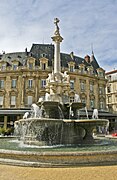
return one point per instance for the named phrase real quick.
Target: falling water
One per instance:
(86, 113)
(60, 113)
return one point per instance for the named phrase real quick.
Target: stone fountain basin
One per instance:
(95, 122)
(44, 131)
(88, 125)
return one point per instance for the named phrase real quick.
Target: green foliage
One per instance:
(7, 131)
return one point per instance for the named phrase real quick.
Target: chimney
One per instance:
(87, 58)
(72, 55)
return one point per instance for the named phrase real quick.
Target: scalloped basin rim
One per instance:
(65, 120)
(86, 120)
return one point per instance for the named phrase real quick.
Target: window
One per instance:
(13, 100)
(1, 100)
(13, 83)
(1, 84)
(82, 70)
(15, 66)
(101, 105)
(82, 86)
(115, 98)
(72, 99)
(71, 69)
(91, 72)
(43, 55)
(83, 100)
(109, 88)
(43, 66)
(30, 83)
(3, 67)
(91, 87)
(29, 100)
(30, 65)
(92, 103)
(101, 74)
(43, 83)
(109, 99)
(101, 90)
(71, 84)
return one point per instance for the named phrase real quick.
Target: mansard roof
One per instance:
(47, 50)
(94, 62)
(9, 57)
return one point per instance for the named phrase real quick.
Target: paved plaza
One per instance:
(79, 173)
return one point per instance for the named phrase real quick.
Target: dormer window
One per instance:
(43, 66)
(30, 65)
(43, 63)
(31, 62)
(71, 66)
(15, 66)
(82, 68)
(43, 55)
(101, 72)
(90, 70)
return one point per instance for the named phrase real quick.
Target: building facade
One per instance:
(23, 80)
(111, 91)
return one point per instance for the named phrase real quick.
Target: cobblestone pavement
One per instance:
(79, 173)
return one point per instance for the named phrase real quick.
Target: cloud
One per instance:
(82, 23)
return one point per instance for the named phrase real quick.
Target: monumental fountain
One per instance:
(54, 120)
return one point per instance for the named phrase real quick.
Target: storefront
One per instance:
(9, 116)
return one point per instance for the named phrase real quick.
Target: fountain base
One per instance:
(48, 132)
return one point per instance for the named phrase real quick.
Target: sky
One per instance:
(84, 25)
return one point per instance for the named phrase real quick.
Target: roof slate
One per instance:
(47, 50)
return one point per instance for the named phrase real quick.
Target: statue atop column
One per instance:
(56, 21)
(57, 37)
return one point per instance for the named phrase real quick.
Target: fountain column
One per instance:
(57, 40)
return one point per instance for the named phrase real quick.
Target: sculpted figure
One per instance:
(56, 21)
(40, 99)
(52, 90)
(47, 97)
(36, 110)
(50, 78)
(66, 77)
(95, 114)
(77, 98)
(25, 116)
